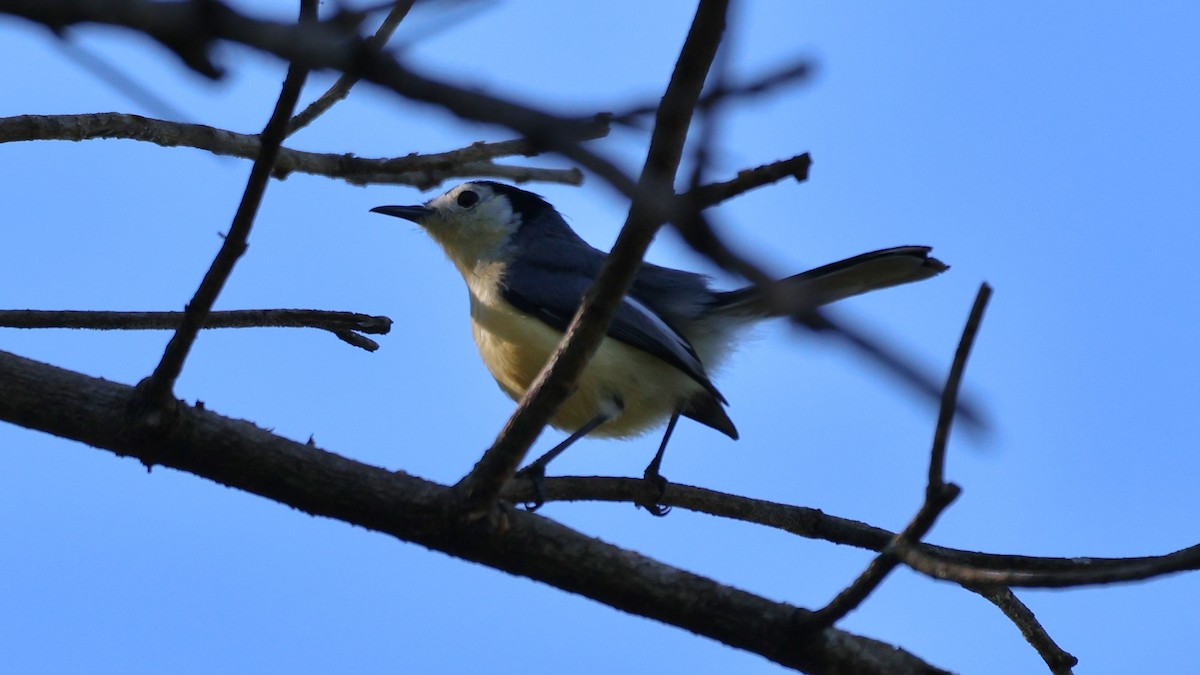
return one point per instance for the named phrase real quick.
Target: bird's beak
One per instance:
(413, 213)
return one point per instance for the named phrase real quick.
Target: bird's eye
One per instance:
(467, 199)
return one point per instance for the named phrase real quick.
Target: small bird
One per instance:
(527, 272)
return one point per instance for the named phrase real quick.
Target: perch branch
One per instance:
(240, 455)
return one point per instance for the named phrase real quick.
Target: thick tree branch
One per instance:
(558, 378)
(346, 326)
(240, 455)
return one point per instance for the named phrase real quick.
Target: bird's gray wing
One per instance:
(553, 294)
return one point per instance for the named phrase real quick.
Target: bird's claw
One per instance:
(656, 482)
(536, 473)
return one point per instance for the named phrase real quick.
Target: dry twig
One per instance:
(347, 326)
(938, 493)
(155, 392)
(420, 171)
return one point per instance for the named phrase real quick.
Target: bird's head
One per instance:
(475, 222)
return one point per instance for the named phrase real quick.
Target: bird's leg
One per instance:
(536, 470)
(652, 476)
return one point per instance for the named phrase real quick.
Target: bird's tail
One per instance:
(833, 282)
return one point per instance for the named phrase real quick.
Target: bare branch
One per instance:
(941, 435)
(1059, 661)
(341, 88)
(1078, 572)
(597, 127)
(346, 325)
(190, 28)
(240, 455)
(850, 598)
(938, 493)
(749, 179)
(155, 390)
(420, 171)
(797, 72)
(558, 378)
(815, 524)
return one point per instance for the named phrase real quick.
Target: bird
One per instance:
(526, 273)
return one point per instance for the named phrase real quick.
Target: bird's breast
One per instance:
(515, 346)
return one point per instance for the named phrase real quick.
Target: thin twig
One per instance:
(347, 326)
(191, 28)
(596, 127)
(341, 88)
(1058, 660)
(941, 435)
(481, 486)
(878, 569)
(156, 390)
(938, 493)
(749, 179)
(796, 72)
(815, 524)
(1083, 572)
(420, 171)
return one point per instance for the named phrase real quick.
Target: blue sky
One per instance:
(1050, 151)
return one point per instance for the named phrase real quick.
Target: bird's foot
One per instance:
(536, 473)
(656, 484)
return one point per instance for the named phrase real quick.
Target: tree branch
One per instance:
(190, 28)
(883, 564)
(155, 391)
(1081, 572)
(798, 71)
(938, 493)
(1059, 661)
(749, 179)
(341, 88)
(347, 326)
(816, 524)
(240, 455)
(941, 434)
(420, 171)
